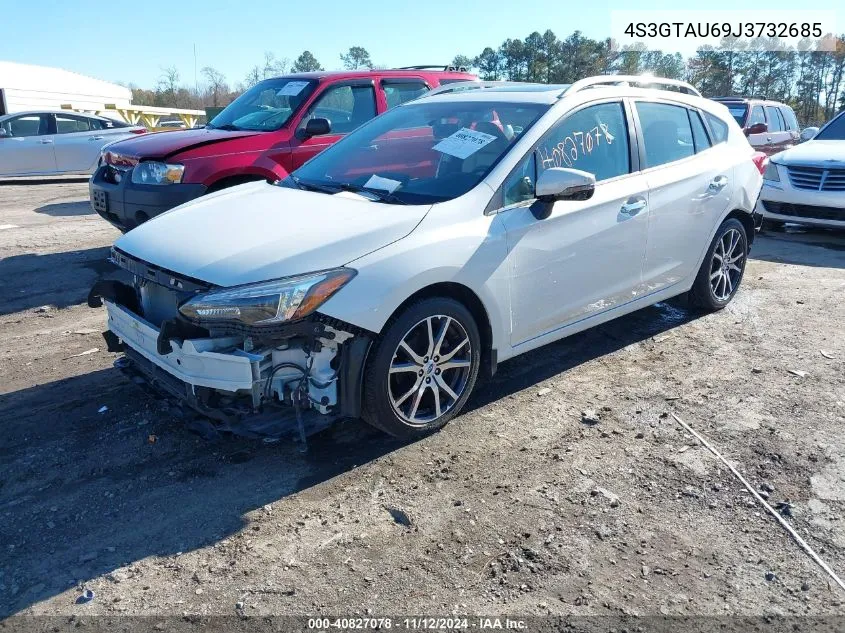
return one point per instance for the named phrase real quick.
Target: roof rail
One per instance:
(627, 80)
(740, 97)
(448, 68)
(461, 86)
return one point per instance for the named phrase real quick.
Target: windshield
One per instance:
(421, 153)
(265, 107)
(738, 111)
(833, 131)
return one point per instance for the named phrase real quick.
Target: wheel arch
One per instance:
(747, 221)
(466, 296)
(234, 179)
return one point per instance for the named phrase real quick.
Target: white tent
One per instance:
(26, 87)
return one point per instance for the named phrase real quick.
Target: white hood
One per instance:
(829, 154)
(258, 231)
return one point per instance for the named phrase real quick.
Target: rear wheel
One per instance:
(722, 269)
(423, 368)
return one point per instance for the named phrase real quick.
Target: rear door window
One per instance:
(398, 92)
(66, 124)
(757, 116)
(667, 134)
(774, 121)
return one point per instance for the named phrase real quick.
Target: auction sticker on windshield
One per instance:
(464, 143)
(291, 88)
(377, 182)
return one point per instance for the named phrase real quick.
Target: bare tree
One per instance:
(273, 67)
(252, 77)
(216, 84)
(169, 80)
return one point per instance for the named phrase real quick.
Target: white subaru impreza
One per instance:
(456, 231)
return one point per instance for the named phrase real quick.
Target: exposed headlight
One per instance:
(771, 174)
(269, 302)
(151, 172)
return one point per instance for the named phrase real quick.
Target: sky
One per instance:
(132, 42)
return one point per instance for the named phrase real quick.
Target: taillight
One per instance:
(139, 130)
(761, 161)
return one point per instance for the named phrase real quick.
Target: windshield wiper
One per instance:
(226, 126)
(313, 186)
(380, 194)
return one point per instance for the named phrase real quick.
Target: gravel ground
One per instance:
(517, 507)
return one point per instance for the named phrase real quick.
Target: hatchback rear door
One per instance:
(689, 178)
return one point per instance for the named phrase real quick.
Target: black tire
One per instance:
(409, 326)
(703, 295)
(772, 225)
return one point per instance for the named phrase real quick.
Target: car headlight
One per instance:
(771, 174)
(268, 302)
(151, 172)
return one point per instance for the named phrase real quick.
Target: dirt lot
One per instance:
(503, 508)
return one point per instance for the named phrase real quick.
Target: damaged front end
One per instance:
(258, 359)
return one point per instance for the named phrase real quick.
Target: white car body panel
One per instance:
(538, 280)
(255, 232)
(821, 154)
(584, 258)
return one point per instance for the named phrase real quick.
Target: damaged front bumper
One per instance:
(307, 374)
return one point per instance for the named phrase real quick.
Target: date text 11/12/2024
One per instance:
(418, 623)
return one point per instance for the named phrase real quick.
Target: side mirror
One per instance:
(806, 134)
(316, 127)
(4, 133)
(561, 183)
(757, 128)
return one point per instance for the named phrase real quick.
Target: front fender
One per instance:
(472, 254)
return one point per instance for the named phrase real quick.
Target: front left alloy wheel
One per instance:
(423, 368)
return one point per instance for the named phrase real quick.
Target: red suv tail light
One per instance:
(139, 131)
(761, 161)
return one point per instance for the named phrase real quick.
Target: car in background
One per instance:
(461, 229)
(266, 133)
(173, 125)
(50, 143)
(770, 126)
(806, 184)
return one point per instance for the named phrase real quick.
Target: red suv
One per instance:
(770, 126)
(267, 132)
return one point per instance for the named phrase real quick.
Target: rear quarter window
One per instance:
(718, 128)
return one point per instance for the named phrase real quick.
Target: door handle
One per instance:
(718, 183)
(633, 206)
(95, 138)
(46, 141)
